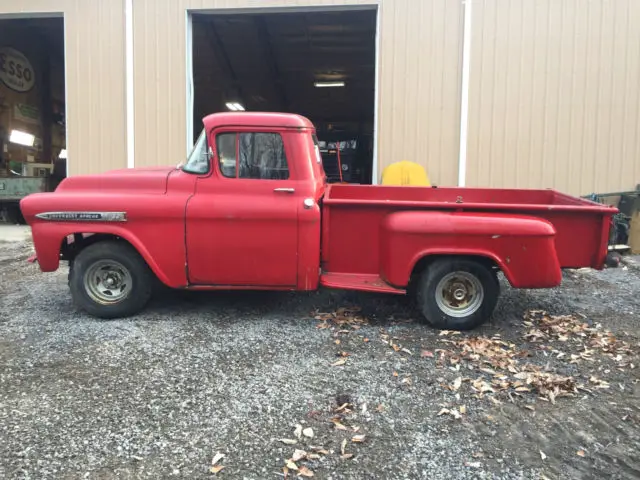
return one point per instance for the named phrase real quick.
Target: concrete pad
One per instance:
(14, 233)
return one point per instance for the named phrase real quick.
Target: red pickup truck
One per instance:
(250, 209)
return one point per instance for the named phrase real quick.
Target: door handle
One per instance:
(284, 190)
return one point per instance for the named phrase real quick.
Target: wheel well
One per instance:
(422, 264)
(73, 244)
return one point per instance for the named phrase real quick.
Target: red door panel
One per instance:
(243, 231)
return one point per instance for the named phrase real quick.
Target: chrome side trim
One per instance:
(83, 216)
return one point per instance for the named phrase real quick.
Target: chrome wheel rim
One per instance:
(459, 294)
(108, 282)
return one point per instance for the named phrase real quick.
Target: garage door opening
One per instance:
(32, 110)
(320, 64)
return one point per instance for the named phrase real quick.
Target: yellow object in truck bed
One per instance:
(405, 173)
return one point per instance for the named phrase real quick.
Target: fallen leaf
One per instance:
(298, 431)
(337, 342)
(285, 472)
(342, 361)
(380, 408)
(542, 455)
(291, 465)
(463, 409)
(365, 340)
(338, 425)
(426, 353)
(472, 464)
(346, 456)
(343, 446)
(298, 455)
(217, 457)
(321, 451)
(358, 438)
(308, 432)
(313, 456)
(529, 407)
(395, 374)
(305, 472)
(581, 453)
(216, 468)
(288, 441)
(406, 350)
(444, 411)
(457, 383)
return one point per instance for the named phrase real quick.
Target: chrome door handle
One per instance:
(285, 190)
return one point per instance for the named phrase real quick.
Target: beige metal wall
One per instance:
(95, 78)
(554, 98)
(419, 94)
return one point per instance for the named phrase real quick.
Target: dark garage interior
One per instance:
(320, 64)
(32, 110)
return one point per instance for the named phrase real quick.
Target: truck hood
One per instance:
(129, 180)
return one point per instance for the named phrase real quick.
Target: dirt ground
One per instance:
(309, 383)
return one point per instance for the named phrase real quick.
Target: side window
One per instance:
(226, 145)
(259, 156)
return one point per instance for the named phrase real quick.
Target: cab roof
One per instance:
(256, 119)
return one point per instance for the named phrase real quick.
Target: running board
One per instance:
(365, 283)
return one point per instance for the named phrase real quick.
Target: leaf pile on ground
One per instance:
(344, 317)
(499, 370)
(574, 331)
(346, 435)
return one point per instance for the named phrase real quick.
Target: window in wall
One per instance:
(257, 156)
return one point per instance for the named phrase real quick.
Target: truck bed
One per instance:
(354, 214)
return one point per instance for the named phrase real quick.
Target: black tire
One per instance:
(435, 315)
(138, 284)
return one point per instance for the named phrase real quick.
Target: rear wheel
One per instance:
(457, 294)
(110, 280)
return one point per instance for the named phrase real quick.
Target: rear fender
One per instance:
(523, 247)
(48, 239)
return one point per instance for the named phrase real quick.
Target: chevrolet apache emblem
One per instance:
(84, 216)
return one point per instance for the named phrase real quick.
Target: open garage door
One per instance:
(32, 109)
(320, 64)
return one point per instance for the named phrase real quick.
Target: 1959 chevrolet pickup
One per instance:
(250, 209)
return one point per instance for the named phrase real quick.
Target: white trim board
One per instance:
(129, 88)
(464, 94)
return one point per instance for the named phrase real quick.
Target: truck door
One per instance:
(242, 222)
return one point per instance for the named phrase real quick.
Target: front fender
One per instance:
(522, 246)
(48, 238)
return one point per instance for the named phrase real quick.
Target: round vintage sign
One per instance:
(16, 71)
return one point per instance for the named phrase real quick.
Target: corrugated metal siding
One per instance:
(554, 99)
(95, 79)
(419, 78)
(419, 90)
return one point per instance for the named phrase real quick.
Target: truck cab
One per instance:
(261, 186)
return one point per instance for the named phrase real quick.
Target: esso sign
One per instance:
(16, 71)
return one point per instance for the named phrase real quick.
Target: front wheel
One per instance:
(110, 280)
(457, 294)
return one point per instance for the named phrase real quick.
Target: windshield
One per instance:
(198, 159)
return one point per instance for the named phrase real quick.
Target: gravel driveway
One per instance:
(377, 394)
